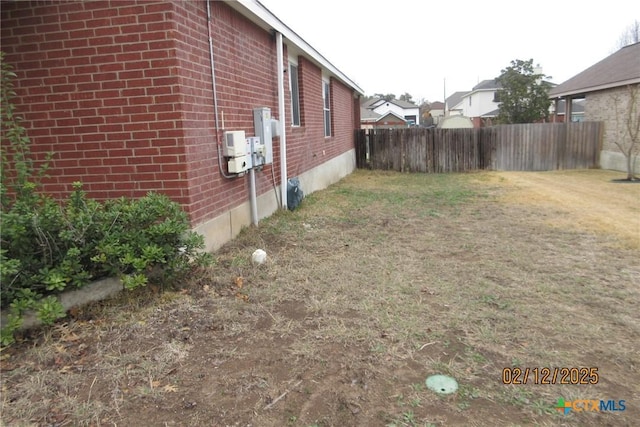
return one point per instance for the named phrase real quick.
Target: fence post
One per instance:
(403, 143)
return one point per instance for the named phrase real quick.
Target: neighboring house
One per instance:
(135, 96)
(453, 104)
(481, 103)
(406, 110)
(372, 120)
(436, 111)
(605, 89)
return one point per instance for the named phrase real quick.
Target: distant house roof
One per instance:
(454, 99)
(390, 115)
(493, 113)
(492, 85)
(368, 115)
(619, 69)
(437, 105)
(369, 102)
(404, 104)
(487, 85)
(375, 102)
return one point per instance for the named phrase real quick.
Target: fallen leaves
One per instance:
(239, 282)
(167, 388)
(170, 388)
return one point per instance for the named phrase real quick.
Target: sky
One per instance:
(432, 49)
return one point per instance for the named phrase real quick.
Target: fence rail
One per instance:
(524, 147)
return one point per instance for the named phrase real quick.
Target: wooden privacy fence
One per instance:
(524, 147)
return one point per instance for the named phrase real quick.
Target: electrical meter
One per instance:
(263, 126)
(258, 150)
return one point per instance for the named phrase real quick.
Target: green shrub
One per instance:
(145, 234)
(47, 246)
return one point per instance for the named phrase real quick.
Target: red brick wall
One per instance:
(245, 72)
(304, 143)
(342, 118)
(121, 92)
(307, 146)
(97, 86)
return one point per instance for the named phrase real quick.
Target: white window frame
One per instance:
(326, 107)
(294, 91)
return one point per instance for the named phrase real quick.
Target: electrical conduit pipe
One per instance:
(252, 175)
(281, 113)
(215, 94)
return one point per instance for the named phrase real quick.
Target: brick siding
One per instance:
(607, 106)
(97, 86)
(121, 92)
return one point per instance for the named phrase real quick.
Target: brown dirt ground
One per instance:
(371, 286)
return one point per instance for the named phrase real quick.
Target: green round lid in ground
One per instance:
(442, 384)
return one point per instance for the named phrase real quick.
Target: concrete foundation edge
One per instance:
(616, 161)
(223, 228)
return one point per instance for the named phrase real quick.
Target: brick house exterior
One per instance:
(122, 93)
(601, 107)
(605, 89)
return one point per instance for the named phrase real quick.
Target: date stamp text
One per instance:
(518, 375)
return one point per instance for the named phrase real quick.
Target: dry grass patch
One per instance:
(592, 200)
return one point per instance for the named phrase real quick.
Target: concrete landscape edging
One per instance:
(94, 291)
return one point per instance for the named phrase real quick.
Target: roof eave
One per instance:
(259, 14)
(585, 90)
(392, 114)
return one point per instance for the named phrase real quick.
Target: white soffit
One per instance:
(260, 15)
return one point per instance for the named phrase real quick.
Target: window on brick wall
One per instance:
(327, 107)
(295, 94)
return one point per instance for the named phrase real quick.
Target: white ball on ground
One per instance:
(259, 256)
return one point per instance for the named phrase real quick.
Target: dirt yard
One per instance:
(369, 288)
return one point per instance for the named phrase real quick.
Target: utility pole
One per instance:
(444, 93)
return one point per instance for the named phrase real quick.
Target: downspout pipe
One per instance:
(281, 114)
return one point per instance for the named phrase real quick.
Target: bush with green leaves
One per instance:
(145, 234)
(48, 246)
